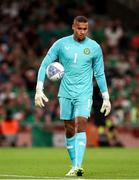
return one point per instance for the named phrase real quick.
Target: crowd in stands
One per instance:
(27, 30)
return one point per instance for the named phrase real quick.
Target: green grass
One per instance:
(106, 163)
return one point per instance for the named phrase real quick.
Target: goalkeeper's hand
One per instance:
(40, 98)
(106, 105)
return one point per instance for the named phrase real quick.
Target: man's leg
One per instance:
(76, 144)
(70, 139)
(81, 114)
(80, 143)
(66, 115)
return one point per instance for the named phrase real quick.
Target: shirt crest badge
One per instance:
(86, 51)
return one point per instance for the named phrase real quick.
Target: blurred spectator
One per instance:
(92, 135)
(9, 129)
(135, 40)
(42, 129)
(114, 33)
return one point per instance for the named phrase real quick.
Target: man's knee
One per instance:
(81, 124)
(70, 128)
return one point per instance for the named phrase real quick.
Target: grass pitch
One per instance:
(53, 163)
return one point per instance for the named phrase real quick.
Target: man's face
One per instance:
(80, 30)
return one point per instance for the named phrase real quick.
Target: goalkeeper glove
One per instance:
(106, 105)
(40, 97)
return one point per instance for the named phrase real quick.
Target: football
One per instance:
(55, 71)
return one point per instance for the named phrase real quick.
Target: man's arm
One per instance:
(51, 56)
(99, 74)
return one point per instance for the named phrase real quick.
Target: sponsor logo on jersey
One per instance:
(67, 47)
(86, 51)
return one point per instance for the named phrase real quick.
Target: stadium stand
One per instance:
(27, 29)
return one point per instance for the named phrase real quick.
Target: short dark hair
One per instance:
(80, 19)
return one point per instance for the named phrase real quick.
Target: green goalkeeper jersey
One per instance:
(81, 60)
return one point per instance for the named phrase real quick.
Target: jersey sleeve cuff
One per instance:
(105, 95)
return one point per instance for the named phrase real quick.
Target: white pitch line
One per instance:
(41, 177)
(46, 177)
(22, 176)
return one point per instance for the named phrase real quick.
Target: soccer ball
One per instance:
(55, 71)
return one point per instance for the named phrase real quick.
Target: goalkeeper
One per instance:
(82, 59)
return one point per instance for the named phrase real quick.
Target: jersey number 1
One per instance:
(75, 57)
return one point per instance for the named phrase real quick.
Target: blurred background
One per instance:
(27, 30)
